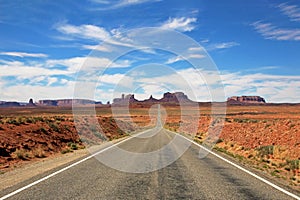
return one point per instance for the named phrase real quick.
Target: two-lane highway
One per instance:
(187, 178)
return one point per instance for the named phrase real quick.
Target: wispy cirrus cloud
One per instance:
(24, 54)
(223, 45)
(269, 31)
(85, 31)
(181, 58)
(110, 5)
(292, 11)
(95, 33)
(184, 24)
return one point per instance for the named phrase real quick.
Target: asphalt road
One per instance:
(187, 178)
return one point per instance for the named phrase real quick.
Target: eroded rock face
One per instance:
(125, 99)
(31, 103)
(246, 99)
(10, 104)
(177, 97)
(67, 102)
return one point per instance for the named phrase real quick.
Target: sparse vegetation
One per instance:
(64, 151)
(39, 153)
(265, 151)
(21, 154)
(72, 145)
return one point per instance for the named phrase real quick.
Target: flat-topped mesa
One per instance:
(177, 97)
(125, 99)
(67, 102)
(168, 98)
(246, 100)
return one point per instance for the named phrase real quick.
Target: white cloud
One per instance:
(24, 54)
(96, 33)
(174, 59)
(183, 24)
(269, 31)
(19, 69)
(263, 68)
(85, 31)
(98, 48)
(180, 58)
(88, 63)
(196, 56)
(120, 3)
(196, 49)
(80, 63)
(292, 11)
(120, 80)
(122, 63)
(223, 45)
(51, 80)
(24, 92)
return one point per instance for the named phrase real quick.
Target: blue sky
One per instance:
(255, 46)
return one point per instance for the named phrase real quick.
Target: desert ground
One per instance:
(264, 137)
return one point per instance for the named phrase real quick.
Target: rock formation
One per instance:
(246, 100)
(172, 98)
(10, 104)
(125, 99)
(177, 97)
(30, 103)
(67, 102)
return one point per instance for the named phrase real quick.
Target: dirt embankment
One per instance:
(265, 137)
(24, 138)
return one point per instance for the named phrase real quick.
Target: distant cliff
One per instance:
(246, 100)
(66, 102)
(5, 104)
(171, 98)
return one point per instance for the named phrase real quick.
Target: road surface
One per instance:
(187, 178)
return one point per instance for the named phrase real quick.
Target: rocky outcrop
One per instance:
(172, 98)
(30, 103)
(246, 100)
(125, 99)
(67, 102)
(150, 100)
(10, 104)
(177, 97)
(47, 102)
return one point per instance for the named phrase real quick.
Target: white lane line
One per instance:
(68, 167)
(243, 169)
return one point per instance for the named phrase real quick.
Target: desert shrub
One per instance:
(21, 154)
(43, 130)
(39, 119)
(29, 120)
(275, 173)
(227, 120)
(293, 164)
(39, 153)
(67, 128)
(54, 127)
(265, 150)
(219, 140)
(72, 145)
(13, 121)
(60, 118)
(246, 120)
(64, 151)
(267, 125)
